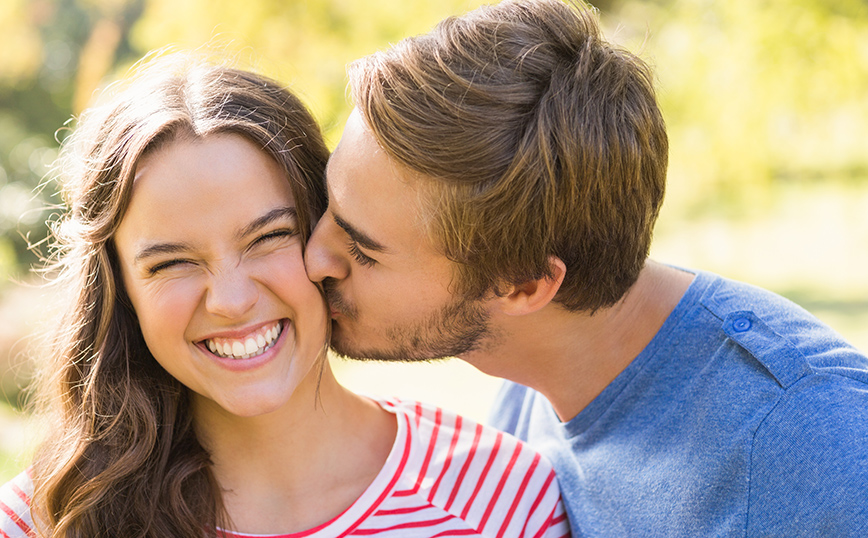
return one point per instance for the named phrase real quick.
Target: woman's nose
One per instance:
(231, 294)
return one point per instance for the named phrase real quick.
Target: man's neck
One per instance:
(571, 357)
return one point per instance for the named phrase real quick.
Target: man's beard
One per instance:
(453, 330)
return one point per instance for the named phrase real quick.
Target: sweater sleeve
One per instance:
(809, 462)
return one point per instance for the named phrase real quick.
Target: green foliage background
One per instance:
(755, 92)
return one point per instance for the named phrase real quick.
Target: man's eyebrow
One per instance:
(358, 236)
(268, 218)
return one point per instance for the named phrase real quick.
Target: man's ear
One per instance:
(533, 295)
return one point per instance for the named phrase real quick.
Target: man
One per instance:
(493, 198)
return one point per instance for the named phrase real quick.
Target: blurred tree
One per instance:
(55, 54)
(305, 43)
(20, 56)
(755, 90)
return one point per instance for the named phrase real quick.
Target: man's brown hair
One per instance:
(539, 137)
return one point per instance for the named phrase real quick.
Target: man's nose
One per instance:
(324, 255)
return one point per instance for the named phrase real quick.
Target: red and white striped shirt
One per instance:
(15, 518)
(445, 476)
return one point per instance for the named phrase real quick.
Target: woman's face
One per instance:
(211, 258)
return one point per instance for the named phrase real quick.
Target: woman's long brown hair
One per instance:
(122, 457)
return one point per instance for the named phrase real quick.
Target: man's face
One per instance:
(389, 288)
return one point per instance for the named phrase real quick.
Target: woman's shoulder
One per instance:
(472, 471)
(443, 435)
(442, 425)
(15, 495)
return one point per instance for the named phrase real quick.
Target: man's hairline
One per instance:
(425, 186)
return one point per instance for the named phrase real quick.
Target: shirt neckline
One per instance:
(590, 414)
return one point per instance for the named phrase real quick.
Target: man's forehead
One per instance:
(373, 196)
(354, 155)
(354, 201)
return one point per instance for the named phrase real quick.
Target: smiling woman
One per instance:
(210, 254)
(188, 387)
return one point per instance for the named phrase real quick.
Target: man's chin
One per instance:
(342, 346)
(343, 353)
(345, 350)
(350, 353)
(449, 332)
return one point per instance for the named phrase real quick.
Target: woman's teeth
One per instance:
(252, 345)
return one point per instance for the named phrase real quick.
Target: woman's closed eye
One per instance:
(271, 237)
(168, 264)
(274, 235)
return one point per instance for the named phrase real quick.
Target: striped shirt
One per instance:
(445, 476)
(15, 518)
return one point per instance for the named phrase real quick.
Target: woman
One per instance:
(190, 391)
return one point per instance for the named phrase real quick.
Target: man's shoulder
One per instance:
(15, 496)
(787, 340)
(509, 409)
(809, 460)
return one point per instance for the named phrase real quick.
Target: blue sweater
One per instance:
(744, 416)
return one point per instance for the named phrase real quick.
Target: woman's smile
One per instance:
(251, 345)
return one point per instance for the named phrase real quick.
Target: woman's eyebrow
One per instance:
(158, 249)
(263, 221)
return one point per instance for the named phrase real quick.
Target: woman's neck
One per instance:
(301, 465)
